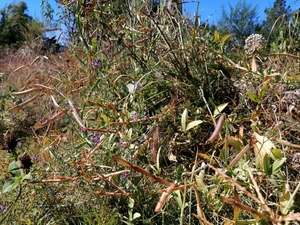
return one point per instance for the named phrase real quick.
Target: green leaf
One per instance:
(220, 108)
(94, 44)
(8, 184)
(177, 196)
(225, 37)
(235, 142)
(216, 36)
(264, 89)
(253, 97)
(267, 165)
(277, 165)
(193, 124)
(130, 203)
(14, 169)
(13, 182)
(183, 120)
(284, 199)
(277, 153)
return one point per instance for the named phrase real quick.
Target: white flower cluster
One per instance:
(253, 43)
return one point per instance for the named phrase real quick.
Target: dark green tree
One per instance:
(241, 19)
(276, 18)
(16, 26)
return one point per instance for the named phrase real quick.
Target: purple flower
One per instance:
(124, 175)
(33, 157)
(2, 208)
(95, 138)
(137, 85)
(44, 164)
(134, 117)
(19, 143)
(122, 143)
(97, 63)
(82, 129)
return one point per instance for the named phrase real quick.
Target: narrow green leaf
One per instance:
(284, 199)
(177, 196)
(193, 124)
(183, 120)
(277, 165)
(225, 37)
(253, 96)
(264, 89)
(216, 36)
(267, 165)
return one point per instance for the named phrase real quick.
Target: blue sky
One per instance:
(211, 9)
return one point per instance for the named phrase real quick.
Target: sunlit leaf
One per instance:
(220, 108)
(235, 142)
(130, 203)
(253, 65)
(172, 157)
(284, 199)
(193, 124)
(200, 178)
(216, 36)
(225, 37)
(277, 153)
(264, 145)
(183, 120)
(136, 215)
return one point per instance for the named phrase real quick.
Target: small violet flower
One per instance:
(122, 143)
(2, 208)
(95, 138)
(134, 117)
(33, 157)
(96, 63)
(19, 143)
(82, 129)
(124, 175)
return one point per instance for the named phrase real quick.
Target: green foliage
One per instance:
(276, 17)
(16, 26)
(241, 20)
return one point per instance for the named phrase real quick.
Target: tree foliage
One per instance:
(16, 26)
(275, 17)
(241, 20)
